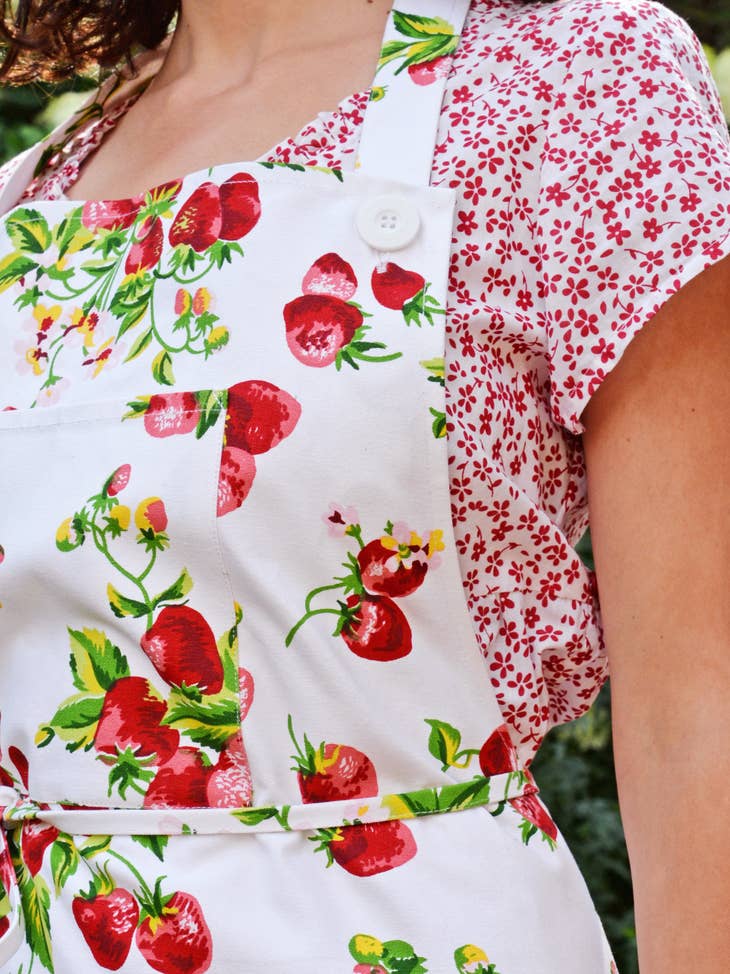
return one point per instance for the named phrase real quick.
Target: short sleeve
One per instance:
(634, 196)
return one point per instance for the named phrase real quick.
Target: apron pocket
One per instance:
(120, 681)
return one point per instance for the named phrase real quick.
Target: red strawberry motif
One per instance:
(531, 808)
(383, 572)
(229, 785)
(130, 719)
(199, 220)
(182, 648)
(259, 416)
(107, 922)
(20, 760)
(393, 286)
(245, 691)
(369, 849)
(498, 754)
(332, 772)
(181, 782)
(238, 469)
(4, 925)
(145, 252)
(35, 838)
(330, 275)
(318, 326)
(111, 214)
(171, 413)
(176, 939)
(376, 629)
(118, 480)
(7, 872)
(240, 206)
(428, 72)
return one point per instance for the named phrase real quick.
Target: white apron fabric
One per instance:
(234, 643)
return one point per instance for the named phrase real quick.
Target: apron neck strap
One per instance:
(398, 135)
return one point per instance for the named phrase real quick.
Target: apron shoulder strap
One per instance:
(398, 135)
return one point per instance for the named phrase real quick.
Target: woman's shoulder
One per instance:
(554, 32)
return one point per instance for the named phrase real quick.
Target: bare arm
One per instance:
(658, 451)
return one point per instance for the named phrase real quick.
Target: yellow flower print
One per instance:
(46, 317)
(85, 326)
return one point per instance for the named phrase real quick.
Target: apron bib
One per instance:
(231, 597)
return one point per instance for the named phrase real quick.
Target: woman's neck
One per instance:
(219, 44)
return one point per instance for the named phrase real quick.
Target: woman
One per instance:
(354, 663)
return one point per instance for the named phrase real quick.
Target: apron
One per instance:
(246, 724)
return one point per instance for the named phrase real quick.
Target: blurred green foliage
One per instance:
(575, 766)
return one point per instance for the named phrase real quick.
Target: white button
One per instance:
(388, 222)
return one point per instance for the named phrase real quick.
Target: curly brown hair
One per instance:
(51, 40)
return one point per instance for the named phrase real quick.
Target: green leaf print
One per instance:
(444, 742)
(29, 231)
(96, 663)
(140, 344)
(156, 844)
(178, 590)
(392, 956)
(64, 861)
(430, 38)
(75, 722)
(471, 959)
(94, 846)
(212, 720)
(162, 369)
(35, 898)
(13, 268)
(123, 606)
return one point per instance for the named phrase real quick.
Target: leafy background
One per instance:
(575, 766)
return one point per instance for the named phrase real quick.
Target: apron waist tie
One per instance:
(488, 792)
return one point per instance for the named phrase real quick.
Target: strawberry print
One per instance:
(181, 782)
(237, 471)
(373, 956)
(395, 565)
(367, 849)
(107, 917)
(240, 206)
(199, 220)
(330, 275)
(426, 52)
(146, 249)
(35, 839)
(324, 326)
(374, 628)
(174, 937)
(182, 647)
(104, 263)
(131, 720)
(497, 755)
(258, 416)
(332, 772)
(229, 782)
(405, 291)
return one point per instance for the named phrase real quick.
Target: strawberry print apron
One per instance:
(246, 725)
